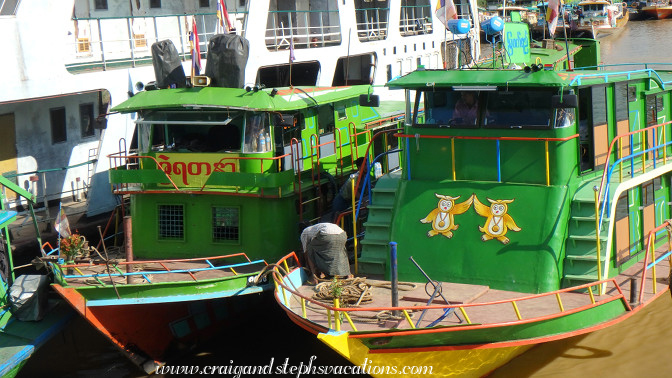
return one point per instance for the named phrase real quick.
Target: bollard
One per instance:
(394, 277)
(633, 293)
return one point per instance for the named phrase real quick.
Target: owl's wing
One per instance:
(480, 208)
(510, 223)
(460, 208)
(430, 217)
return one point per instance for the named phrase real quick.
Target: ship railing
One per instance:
(576, 81)
(287, 292)
(36, 182)
(415, 19)
(498, 140)
(650, 255)
(372, 23)
(656, 150)
(76, 271)
(304, 29)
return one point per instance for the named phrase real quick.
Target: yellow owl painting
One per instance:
(497, 222)
(443, 217)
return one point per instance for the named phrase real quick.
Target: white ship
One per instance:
(70, 61)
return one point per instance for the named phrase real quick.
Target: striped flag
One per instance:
(62, 225)
(195, 49)
(552, 15)
(445, 10)
(223, 23)
(291, 50)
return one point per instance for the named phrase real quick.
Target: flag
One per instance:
(195, 50)
(552, 15)
(291, 50)
(445, 10)
(62, 225)
(223, 23)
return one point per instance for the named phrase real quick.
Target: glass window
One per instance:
(101, 4)
(520, 108)
(171, 222)
(225, 223)
(445, 108)
(204, 3)
(564, 117)
(155, 3)
(257, 133)
(58, 126)
(86, 120)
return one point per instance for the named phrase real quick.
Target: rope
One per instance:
(352, 290)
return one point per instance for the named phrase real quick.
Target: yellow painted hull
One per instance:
(443, 363)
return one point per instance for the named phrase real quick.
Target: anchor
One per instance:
(437, 291)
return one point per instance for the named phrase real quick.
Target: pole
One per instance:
(128, 244)
(394, 277)
(353, 179)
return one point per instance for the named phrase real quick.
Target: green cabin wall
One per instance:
(530, 262)
(268, 227)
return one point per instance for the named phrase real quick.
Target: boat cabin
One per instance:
(499, 174)
(225, 170)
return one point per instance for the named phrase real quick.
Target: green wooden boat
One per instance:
(222, 180)
(531, 205)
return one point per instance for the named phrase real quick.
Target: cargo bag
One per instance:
(167, 65)
(28, 297)
(227, 58)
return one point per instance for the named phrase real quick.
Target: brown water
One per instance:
(637, 347)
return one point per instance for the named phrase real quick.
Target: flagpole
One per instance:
(569, 63)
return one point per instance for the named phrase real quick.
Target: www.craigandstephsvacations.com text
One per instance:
(286, 367)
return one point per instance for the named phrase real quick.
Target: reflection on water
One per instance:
(637, 347)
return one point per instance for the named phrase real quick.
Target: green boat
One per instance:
(223, 180)
(530, 206)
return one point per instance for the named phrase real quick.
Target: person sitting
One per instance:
(466, 109)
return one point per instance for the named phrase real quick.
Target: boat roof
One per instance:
(285, 99)
(592, 2)
(479, 77)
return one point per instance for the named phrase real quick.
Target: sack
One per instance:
(227, 58)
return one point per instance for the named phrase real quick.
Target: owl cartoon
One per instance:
(443, 217)
(498, 222)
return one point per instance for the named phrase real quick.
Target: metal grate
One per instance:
(171, 222)
(225, 223)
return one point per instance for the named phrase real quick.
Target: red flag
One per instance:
(552, 15)
(445, 10)
(195, 50)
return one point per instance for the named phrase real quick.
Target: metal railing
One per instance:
(305, 29)
(283, 283)
(497, 139)
(372, 23)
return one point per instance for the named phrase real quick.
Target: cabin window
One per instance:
(225, 223)
(171, 222)
(100, 4)
(519, 108)
(257, 133)
(342, 114)
(326, 126)
(447, 108)
(285, 75)
(86, 120)
(155, 3)
(58, 126)
(564, 117)
(306, 24)
(204, 3)
(354, 70)
(288, 127)
(621, 100)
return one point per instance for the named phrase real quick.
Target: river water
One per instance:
(636, 347)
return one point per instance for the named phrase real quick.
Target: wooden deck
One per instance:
(415, 295)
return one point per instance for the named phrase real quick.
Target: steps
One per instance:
(580, 263)
(376, 242)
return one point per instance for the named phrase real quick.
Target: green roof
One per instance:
(478, 77)
(237, 98)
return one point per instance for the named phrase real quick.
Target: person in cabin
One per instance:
(343, 199)
(466, 108)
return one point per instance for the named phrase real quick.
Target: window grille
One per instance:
(225, 223)
(171, 222)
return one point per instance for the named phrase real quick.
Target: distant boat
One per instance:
(599, 19)
(657, 11)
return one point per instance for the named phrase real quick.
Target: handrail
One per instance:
(608, 168)
(279, 282)
(576, 81)
(498, 139)
(651, 246)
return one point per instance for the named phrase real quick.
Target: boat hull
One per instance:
(153, 331)
(475, 362)
(657, 13)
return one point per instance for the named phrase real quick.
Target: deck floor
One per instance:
(455, 293)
